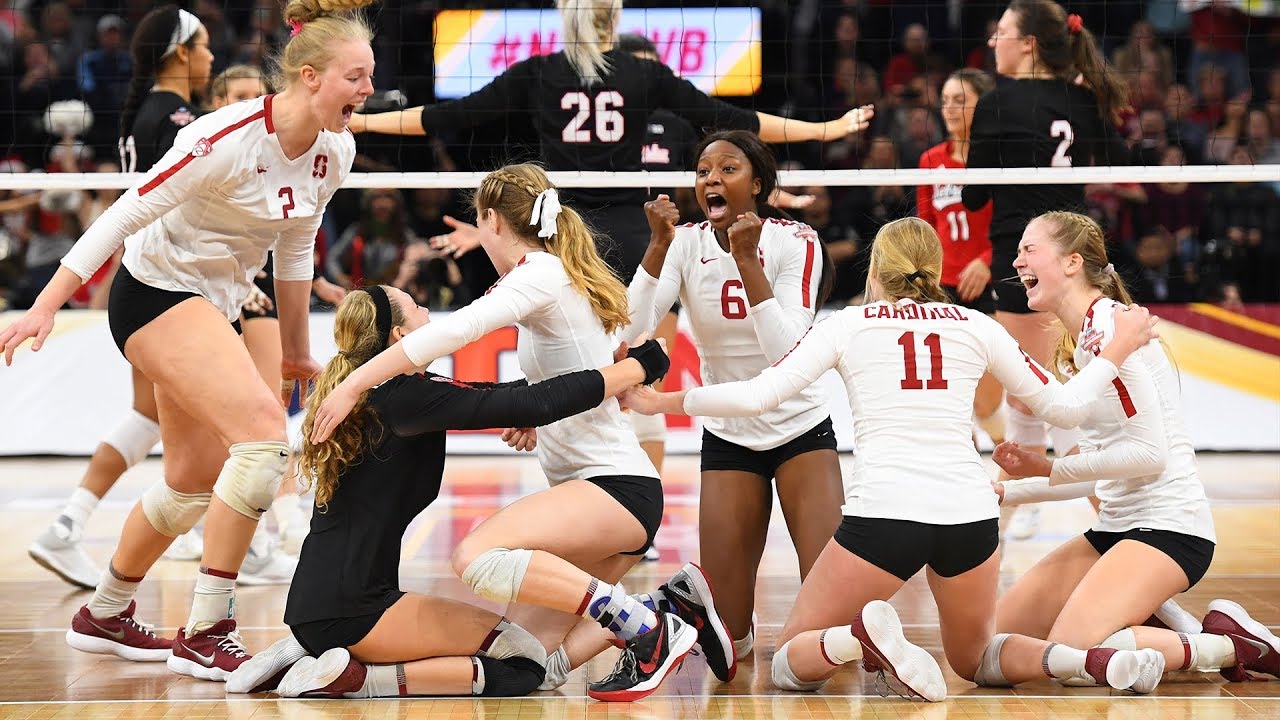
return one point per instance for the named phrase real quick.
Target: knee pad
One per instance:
(1024, 429)
(497, 574)
(251, 476)
(989, 673)
(512, 677)
(1063, 440)
(785, 679)
(133, 437)
(649, 428)
(1121, 640)
(173, 513)
(510, 640)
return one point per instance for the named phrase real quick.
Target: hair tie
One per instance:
(295, 27)
(545, 209)
(188, 25)
(1075, 23)
(382, 314)
(1109, 269)
(915, 276)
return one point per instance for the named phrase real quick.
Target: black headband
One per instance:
(382, 316)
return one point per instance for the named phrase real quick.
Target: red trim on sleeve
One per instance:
(1126, 402)
(809, 252)
(207, 144)
(266, 114)
(1044, 380)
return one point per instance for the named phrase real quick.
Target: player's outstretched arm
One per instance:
(398, 122)
(777, 129)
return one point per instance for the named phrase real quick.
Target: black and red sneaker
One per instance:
(1257, 649)
(647, 661)
(121, 635)
(211, 654)
(690, 596)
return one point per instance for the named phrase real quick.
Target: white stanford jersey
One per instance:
(911, 371)
(559, 333)
(736, 341)
(1133, 441)
(209, 211)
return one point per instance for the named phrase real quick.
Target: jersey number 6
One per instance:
(608, 121)
(933, 341)
(733, 307)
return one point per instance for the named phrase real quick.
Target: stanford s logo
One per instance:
(203, 147)
(320, 167)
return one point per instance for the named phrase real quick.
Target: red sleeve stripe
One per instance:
(1126, 402)
(159, 179)
(266, 113)
(809, 252)
(1044, 380)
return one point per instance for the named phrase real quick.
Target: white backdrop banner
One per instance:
(62, 400)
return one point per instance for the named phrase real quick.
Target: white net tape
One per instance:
(787, 178)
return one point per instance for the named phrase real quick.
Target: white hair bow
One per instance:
(545, 209)
(188, 24)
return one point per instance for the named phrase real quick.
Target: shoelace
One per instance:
(145, 628)
(233, 645)
(625, 667)
(884, 687)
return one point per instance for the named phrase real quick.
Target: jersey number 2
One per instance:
(911, 381)
(1062, 129)
(608, 120)
(287, 192)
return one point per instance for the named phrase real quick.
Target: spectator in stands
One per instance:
(1263, 146)
(431, 278)
(855, 84)
(908, 64)
(370, 251)
(1157, 278)
(1210, 91)
(1221, 144)
(58, 32)
(1144, 52)
(266, 32)
(1272, 106)
(918, 132)
(103, 77)
(222, 36)
(1149, 137)
(1176, 209)
(1244, 224)
(1184, 127)
(983, 57)
(1218, 33)
(872, 207)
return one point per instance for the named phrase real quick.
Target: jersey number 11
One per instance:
(933, 342)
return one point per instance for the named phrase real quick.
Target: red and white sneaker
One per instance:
(332, 675)
(1257, 649)
(121, 635)
(1138, 671)
(212, 654)
(264, 671)
(885, 647)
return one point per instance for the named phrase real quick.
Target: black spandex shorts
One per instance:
(318, 636)
(903, 547)
(1193, 554)
(641, 496)
(720, 454)
(132, 304)
(985, 303)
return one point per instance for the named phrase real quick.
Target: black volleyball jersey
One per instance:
(597, 128)
(350, 562)
(1042, 124)
(160, 116)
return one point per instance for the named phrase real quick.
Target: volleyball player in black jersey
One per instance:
(171, 62)
(1056, 106)
(377, 472)
(590, 105)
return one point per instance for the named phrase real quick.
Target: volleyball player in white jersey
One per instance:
(751, 287)
(1154, 537)
(236, 183)
(562, 548)
(920, 495)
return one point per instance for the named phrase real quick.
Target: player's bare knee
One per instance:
(266, 419)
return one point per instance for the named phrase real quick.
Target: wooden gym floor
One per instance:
(40, 677)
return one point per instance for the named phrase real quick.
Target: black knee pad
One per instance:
(512, 677)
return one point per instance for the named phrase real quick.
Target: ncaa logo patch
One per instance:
(181, 116)
(202, 148)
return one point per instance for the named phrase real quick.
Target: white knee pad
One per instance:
(1024, 429)
(1121, 640)
(1063, 440)
(173, 513)
(989, 673)
(251, 476)
(785, 679)
(497, 574)
(649, 428)
(510, 640)
(133, 437)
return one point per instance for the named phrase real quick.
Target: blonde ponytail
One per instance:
(589, 25)
(512, 192)
(319, 27)
(355, 331)
(906, 259)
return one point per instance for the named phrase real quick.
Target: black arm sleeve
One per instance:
(431, 404)
(983, 149)
(682, 98)
(505, 94)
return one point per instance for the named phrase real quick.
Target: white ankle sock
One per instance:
(1206, 652)
(742, 648)
(382, 681)
(80, 506)
(1061, 661)
(214, 599)
(112, 595)
(839, 646)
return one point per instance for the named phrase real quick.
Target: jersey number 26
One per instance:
(608, 120)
